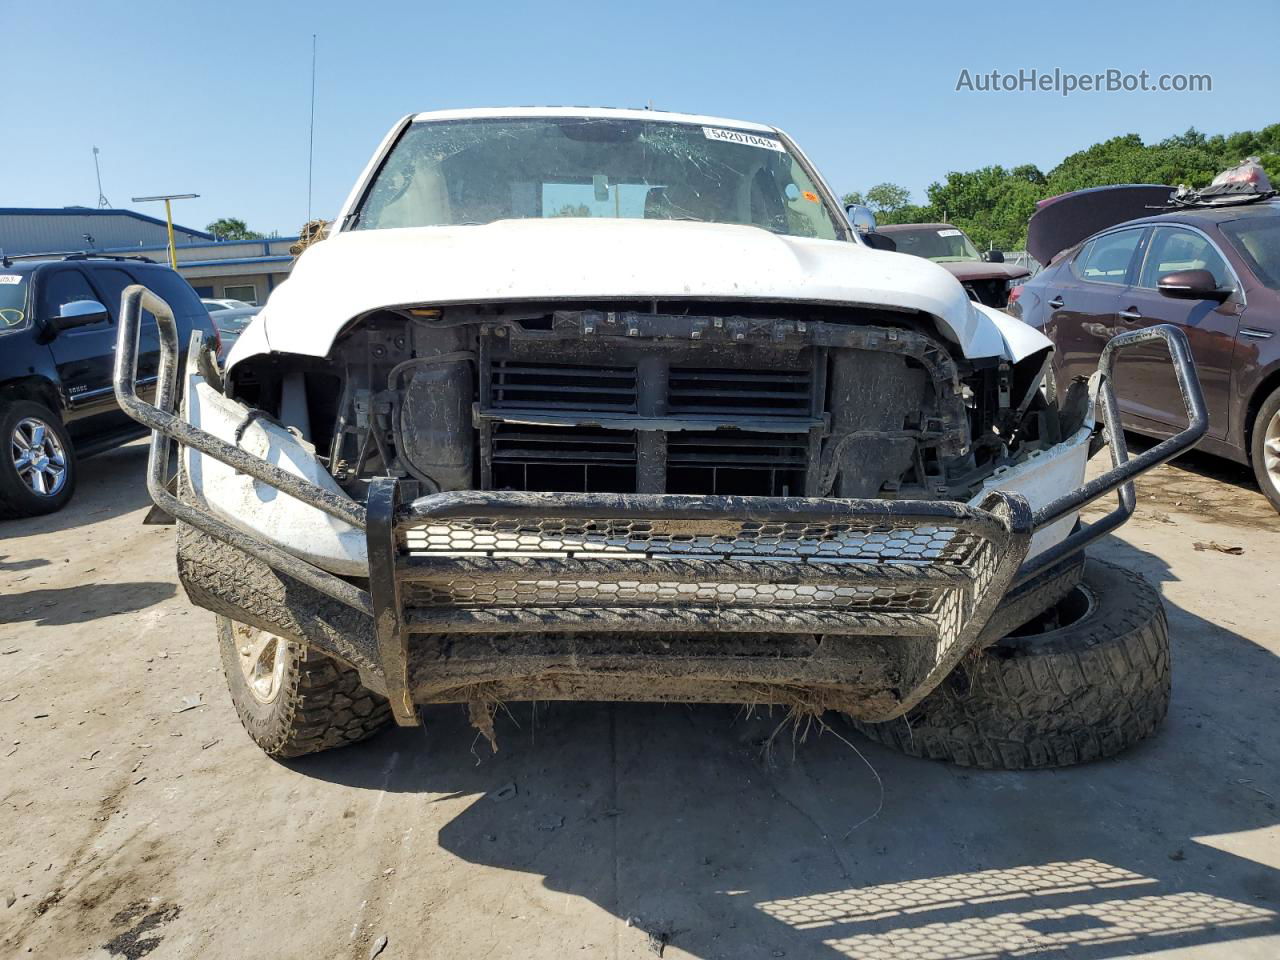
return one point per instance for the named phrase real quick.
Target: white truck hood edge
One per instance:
(355, 272)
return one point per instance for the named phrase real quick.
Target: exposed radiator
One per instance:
(649, 415)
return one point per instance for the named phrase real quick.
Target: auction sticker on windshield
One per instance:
(740, 136)
(10, 278)
(948, 233)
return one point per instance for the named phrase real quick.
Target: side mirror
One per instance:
(861, 218)
(1191, 285)
(993, 256)
(79, 313)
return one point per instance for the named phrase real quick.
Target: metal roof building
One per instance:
(26, 230)
(239, 269)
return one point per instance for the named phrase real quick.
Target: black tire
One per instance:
(17, 499)
(319, 703)
(1085, 690)
(1267, 473)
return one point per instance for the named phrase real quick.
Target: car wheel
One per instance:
(37, 463)
(1265, 449)
(292, 700)
(1085, 680)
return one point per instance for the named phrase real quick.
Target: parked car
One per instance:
(985, 276)
(1209, 263)
(230, 317)
(593, 404)
(58, 323)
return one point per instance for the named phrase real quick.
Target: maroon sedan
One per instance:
(985, 276)
(1209, 264)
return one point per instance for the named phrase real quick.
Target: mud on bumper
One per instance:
(857, 605)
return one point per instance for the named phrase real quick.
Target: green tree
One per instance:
(909, 213)
(890, 203)
(887, 198)
(992, 204)
(231, 228)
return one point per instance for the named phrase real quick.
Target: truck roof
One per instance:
(658, 116)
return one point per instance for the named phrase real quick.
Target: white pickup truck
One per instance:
(617, 405)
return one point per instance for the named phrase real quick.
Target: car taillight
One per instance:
(1015, 292)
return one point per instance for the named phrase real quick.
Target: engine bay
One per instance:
(657, 397)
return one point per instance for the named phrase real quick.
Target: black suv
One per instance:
(57, 348)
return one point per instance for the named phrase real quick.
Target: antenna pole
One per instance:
(311, 138)
(103, 202)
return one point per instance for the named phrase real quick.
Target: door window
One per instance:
(1106, 259)
(1173, 249)
(62, 287)
(111, 283)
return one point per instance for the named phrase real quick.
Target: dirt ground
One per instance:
(136, 824)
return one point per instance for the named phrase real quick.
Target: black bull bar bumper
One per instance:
(860, 605)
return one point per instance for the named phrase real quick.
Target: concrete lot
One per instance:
(131, 829)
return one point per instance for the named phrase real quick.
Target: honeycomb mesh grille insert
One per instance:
(876, 542)
(624, 593)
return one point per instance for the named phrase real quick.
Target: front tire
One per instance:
(1087, 680)
(37, 463)
(292, 700)
(1264, 452)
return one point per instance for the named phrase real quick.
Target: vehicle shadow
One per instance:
(110, 484)
(731, 834)
(18, 566)
(60, 606)
(1233, 497)
(1201, 464)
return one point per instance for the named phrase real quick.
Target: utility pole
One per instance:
(168, 218)
(103, 202)
(311, 137)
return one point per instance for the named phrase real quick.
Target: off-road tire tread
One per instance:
(1081, 693)
(322, 705)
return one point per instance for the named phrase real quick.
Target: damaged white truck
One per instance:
(588, 404)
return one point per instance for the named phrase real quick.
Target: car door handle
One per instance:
(1056, 303)
(1131, 315)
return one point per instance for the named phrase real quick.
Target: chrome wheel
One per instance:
(38, 457)
(263, 657)
(1271, 450)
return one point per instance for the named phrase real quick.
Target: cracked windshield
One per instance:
(477, 171)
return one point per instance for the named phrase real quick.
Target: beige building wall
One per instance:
(234, 286)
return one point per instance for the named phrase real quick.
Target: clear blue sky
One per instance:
(212, 98)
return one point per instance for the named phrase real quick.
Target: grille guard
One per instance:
(926, 573)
